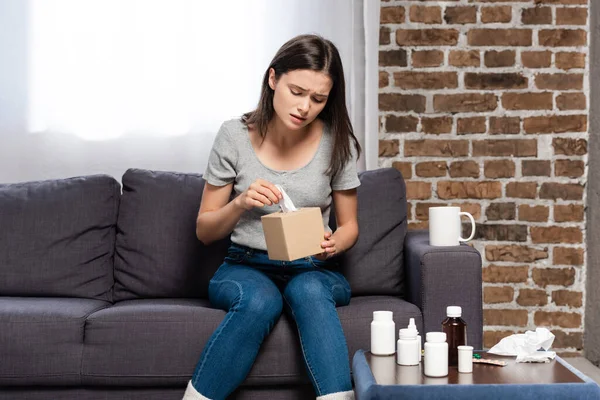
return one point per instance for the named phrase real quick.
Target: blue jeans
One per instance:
(254, 291)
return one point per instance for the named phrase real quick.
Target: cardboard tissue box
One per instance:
(293, 233)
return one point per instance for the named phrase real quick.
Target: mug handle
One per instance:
(472, 226)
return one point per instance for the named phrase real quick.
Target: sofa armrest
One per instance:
(437, 277)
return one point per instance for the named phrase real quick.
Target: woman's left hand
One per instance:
(329, 249)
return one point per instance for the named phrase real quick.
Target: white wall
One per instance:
(26, 155)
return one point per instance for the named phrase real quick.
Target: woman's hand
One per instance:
(329, 249)
(259, 194)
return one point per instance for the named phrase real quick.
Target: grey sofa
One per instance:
(103, 289)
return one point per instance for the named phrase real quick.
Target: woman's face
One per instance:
(300, 96)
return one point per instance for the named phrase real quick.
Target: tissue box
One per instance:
(295, 234)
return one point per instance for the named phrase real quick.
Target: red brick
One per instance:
(555, 124)
(514, 253)
(461, 15)
(555, 234)
(533, 213)
(571, 16)
(406, 123)
(569, 147)
(436, 148)
(494, 58)
(461, 58)
(427, 15)
(499, 37)
(536, 16)
(497, 232)
(384, 35)
(505, 147)
(464, 169)
(500, 211)
(384, 79)
(507, 80)
(568, 212)
(524, 190)
(532, 297)
(567, 256)
(536, 59)
(536, 168)
(553, 276)
(431, 169)
(505, 125)
(388, 148)
(565, 191)
(556, 318)
(401, 102)
(392, 15)
(471, 125)
(505, 317)
(427, 58)
(527, 101)
(405, 168)
(465, 102)
(496, 14)
(559, 81)
(567, 298)
(418, 190)
(427, 37)
(498, 294)
(569, 60)
(436, 125)
(393, 58)
(567, 339)
(426, 80)
(562, 37)
(469, 190)
(499, 169)
(571, 101)
(569, 168)
(492, 338)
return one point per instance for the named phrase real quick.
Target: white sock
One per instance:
(192, 394)
(349, 395)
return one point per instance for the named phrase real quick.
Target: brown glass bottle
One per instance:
(455, 329)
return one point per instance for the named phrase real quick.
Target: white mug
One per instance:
(445, 226)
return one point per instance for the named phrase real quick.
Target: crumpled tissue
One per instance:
(526, 346)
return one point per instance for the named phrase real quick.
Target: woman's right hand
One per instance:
(259, 194)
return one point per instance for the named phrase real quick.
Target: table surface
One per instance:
(387, 372)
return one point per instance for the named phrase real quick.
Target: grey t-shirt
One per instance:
(232, 159)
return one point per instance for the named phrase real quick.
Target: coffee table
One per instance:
(379, 377)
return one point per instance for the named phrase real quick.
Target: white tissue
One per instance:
(286, 205)
(526, 345)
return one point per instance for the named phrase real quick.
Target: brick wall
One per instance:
(483, 104)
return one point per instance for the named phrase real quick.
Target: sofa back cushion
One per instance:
(158, 255)
(57, 237)
(157, 252)
(375, 264)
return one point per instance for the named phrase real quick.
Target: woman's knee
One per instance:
(261, 306)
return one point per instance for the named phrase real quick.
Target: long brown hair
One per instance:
(317, 54)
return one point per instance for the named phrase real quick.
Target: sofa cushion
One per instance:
(374, 265)
(158, 342)
(57, 237)
(41, 339)
(157, 252)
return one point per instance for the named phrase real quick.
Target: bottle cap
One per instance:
(412, 325)
(383, 315)
(435, 337)
(407, 334)
(453, 311)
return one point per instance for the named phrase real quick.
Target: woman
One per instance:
(299, 137)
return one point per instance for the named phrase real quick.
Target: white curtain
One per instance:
(98, 86)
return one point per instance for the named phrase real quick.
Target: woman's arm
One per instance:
(218, 216)
(346, 234)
